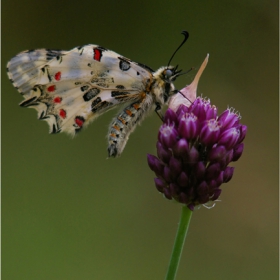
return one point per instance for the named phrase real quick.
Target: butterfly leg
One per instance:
(158, 112)
(124, 124)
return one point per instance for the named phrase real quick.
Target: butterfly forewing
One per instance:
(71, 88)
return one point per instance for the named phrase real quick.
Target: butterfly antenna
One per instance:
(186, 34)
(180, 91)
(184, 96)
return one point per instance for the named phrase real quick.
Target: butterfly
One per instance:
(69, 89)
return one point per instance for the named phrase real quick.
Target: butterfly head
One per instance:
(170, 73)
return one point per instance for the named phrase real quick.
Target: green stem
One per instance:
(186, 215)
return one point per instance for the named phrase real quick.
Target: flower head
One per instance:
(194, 149)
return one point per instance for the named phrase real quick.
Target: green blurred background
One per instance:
(68, 213)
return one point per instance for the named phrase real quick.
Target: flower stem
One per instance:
(186, 215)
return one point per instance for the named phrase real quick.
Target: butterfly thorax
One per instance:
(162, 87)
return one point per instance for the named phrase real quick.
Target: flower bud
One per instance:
(227, 119)
(228, 173)
(187, 127)
(237, 151)
(160, 185)
(210, 132)
(167, 135)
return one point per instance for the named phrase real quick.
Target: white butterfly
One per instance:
(69, 89)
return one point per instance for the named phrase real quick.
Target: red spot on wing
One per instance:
(57, 76)
(79, 121)
(57, 99)
(51, 88)
(62, 113)
(97, 54)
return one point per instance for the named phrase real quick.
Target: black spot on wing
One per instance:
(91, 94)
(103, 85)
(43, 116)
(80, 47)
(145, 67)
(95, 80)
(55, 130)
(118, 93)
(102, 48)
(28, 102)
(95, 102)
(100, 106)
(124, 64)
(84, 88)
(52, 54)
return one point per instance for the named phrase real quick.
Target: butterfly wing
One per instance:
(70, 88)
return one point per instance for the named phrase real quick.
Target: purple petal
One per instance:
(199, 170)
(219, 179)
(243, 132)
(198, 108)
(228, 119)
(229, 137)
(210, 132)
(160, 185)
(228, 173)
(168, 135)
(211, 113)
(174, 189)
(193, 156)
(175, 166)
(167, 193)
(237, 151)
(181, 148)
(229, 157)
(216, 195)
(217, 154)
(190, 192)
(183, 198)
(166, 174)
(187, 127)
(163, 153)
(155, 164)
(202, 188)
(183, 180)
(212, 171)
(191, 206)
(212, 185)
(203, 198)
(170, 117)
(182, 110)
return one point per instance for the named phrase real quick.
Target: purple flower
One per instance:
(194, 148)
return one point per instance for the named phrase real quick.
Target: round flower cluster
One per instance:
(194, 149)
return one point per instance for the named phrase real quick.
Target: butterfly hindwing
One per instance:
(70, 88)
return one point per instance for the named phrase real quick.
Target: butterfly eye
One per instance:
(168, 73)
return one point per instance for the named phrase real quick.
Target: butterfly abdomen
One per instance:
(125, 122)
